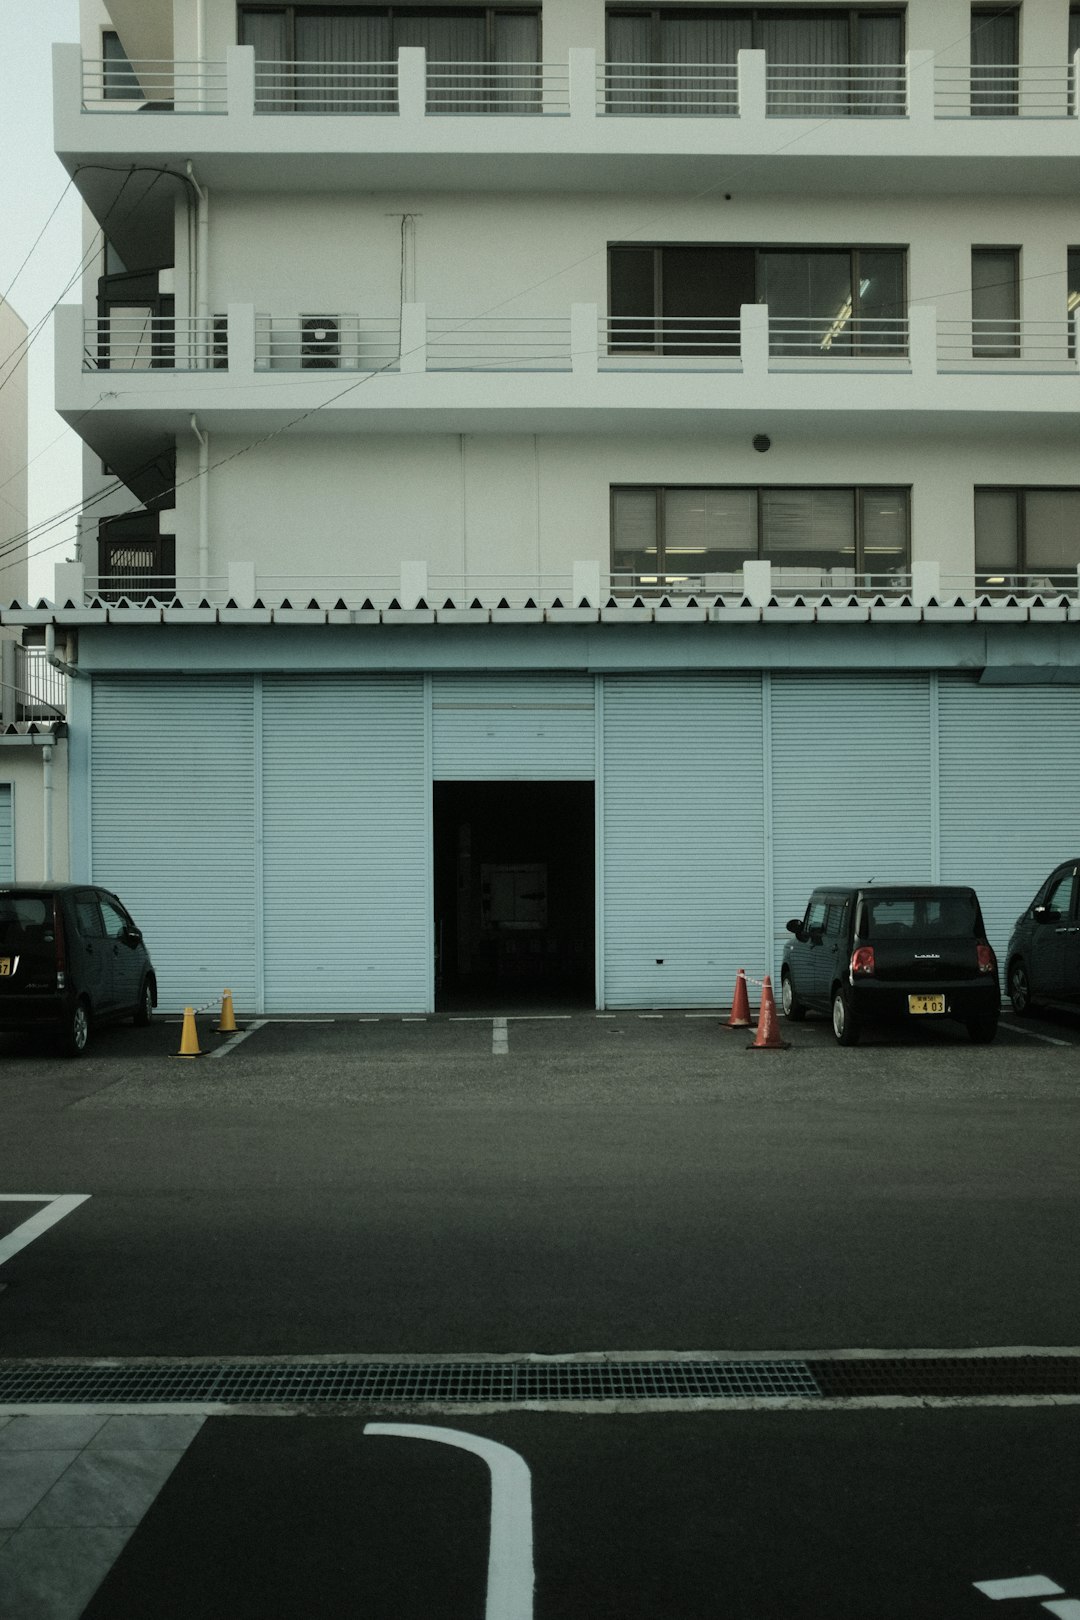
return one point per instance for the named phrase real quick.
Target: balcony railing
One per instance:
(1042, 345)
(155, 86)
(840, 334)
(327, 342)
(498, 343)
(413, 86)
(670, 336)
(144, 342)
(40, 688)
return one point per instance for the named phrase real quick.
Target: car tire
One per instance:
(76, 1032)
(1019, 987)
(982, 1030)
(844, 1022)
(145, 1009)
(793, 1007)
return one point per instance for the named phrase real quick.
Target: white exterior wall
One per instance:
(13, 460)
(21, 766)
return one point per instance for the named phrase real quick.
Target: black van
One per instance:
(892, 952)
(70, 956)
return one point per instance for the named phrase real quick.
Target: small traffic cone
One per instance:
(189, 1038)
(227, 1022)
(768, 1029)
(740, 1006)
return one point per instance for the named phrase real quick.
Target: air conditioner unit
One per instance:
(320, 342)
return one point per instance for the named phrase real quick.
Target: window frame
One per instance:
(289, 8)
(755, 15)
(1006, 574)
(859, 493)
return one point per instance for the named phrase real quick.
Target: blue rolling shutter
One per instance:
(683, 846)
(852, 788)
(347, 844)
(502, 728)
(1010, 787)
(173, 826)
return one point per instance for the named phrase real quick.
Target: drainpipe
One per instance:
(201, 301)
(204, 506)
(47, 810)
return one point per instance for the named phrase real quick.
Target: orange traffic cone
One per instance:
(189, 1038)
(768, 1029)
(740, 1006)
(227, 1021)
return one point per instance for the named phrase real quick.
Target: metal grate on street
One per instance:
(945, 1376)
(388, 1383)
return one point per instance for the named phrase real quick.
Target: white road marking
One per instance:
(539, 1018)
(1067, 1609)
(59, 1205)
(500, 1038)
(511, 1577)
(241, 1035)
(414, 1020)
(650, 1015)
(1019, 1586)
(1034, 1035)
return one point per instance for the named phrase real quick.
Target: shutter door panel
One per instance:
(347, 898)
(1009, 793)
(683, 844)
(506, 728)
(7, 834)
(173, 826)
(851, 784)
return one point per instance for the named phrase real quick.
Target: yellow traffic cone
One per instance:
(227, 1022)
(189, 1039)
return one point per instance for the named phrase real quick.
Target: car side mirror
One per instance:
(133, 936)
(795, 927)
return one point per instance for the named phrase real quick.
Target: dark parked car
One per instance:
(70, 957)
(891, 952)
(1043, 959)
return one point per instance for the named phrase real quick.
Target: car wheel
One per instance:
(76, 1032)
(145, 1010)
(793, 1007)
(844, 1022)
(982, 1030)
(1019, 988)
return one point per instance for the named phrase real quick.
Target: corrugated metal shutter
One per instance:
(173, 826)
(347, 898)
(512, 728)
(852, 785)
(1010, 788)
(683, 841)
(7, 833)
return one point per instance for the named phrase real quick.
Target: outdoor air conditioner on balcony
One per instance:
(320, 342)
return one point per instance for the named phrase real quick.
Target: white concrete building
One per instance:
(566, 479)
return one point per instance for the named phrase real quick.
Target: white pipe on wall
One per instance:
(47, 812)
(204, 505)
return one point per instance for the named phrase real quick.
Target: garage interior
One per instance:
(514, 894)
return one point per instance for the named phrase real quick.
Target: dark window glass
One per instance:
(995, 303)
(1072, 297)
(995, 58)
(88, 917)
(120, 83)
(1034, 533)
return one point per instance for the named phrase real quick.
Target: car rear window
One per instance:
(910, 915)
(25, 917)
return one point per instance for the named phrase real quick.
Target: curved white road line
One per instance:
(510, 1553)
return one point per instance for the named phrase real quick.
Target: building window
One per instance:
(685, 298)
(1032, 533)
(118, 75)
(995, 303)
(134, 560)
(1072, 296)
(646, 42)
(995, 62)
(669, 535)
(291, 39)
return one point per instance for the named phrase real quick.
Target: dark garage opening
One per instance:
(514, 894)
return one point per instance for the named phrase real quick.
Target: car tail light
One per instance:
(987, 960)
(61, 945)
(862, 960)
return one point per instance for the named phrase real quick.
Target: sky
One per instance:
(32, 180)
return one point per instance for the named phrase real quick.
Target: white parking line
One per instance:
(59, 1205)
(241, 1035)
(500, 1038)
(1034, 1035)
(1019, 1586)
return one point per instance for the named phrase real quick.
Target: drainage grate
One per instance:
(387, 1383)
(515, 1383)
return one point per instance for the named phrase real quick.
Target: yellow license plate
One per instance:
(5, 967)
(926, 1004)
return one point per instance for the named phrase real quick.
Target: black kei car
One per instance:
(1042, 963)
(891, 952)
(70, 957)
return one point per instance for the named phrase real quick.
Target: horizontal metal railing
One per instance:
(498, 343)
(671, 335)
(40, 688)
(1003, 92)
(326, 87)
(670, 89)
(503, 89)
(788, 581)
(794, 90)
(838, 334)
(327, 342)
(1040, 342)
(188, 87)
(143, 342)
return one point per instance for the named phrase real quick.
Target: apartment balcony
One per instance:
(580, 124)
(130, 385)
